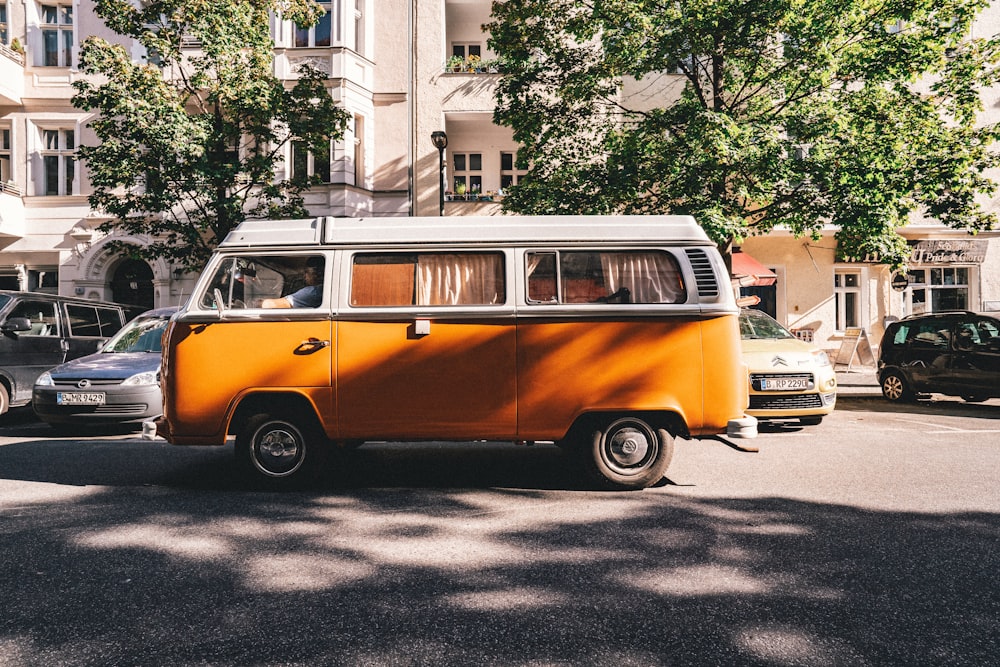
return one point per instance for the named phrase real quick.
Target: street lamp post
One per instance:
(440, 140)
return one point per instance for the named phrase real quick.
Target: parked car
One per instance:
(954, 353)
(119, 384)
(789, 378)
(39, 331)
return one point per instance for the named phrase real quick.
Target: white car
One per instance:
(789, 378)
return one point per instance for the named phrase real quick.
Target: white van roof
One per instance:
(505, 230)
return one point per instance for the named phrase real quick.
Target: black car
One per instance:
(954, 353)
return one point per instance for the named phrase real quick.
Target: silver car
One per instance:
(117, 385)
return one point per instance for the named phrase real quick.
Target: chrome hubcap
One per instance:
(278, 451)
(628, 447)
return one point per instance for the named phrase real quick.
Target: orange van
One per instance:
(609, 336)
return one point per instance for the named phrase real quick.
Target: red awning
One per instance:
(749, 271)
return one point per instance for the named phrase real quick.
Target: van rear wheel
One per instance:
(628, 453)
(280, 451)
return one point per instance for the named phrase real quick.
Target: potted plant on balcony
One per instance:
(17, 46)
(454, 64)
(475, 63)
(460, 189)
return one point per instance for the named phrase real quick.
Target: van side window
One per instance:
(267, 281)
(110, 321)
(628, 276)
(427, 279)
(42, 315)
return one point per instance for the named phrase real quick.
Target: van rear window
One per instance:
(632, 276)
(427, 279)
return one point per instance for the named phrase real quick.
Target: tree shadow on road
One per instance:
(169, 561)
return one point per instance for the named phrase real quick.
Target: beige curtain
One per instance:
(651, 277)
(459, 279)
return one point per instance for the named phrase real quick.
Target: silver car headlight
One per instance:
(45, 380)
(146, 378)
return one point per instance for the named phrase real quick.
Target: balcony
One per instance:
(11, 75)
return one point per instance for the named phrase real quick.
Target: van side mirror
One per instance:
(15, 325)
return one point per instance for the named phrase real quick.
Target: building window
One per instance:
(58, 161)
(5, 174)
(509, 175)
(466, 51)
(940, 288)
(359, 26)
(847, 298)
(306, 163)
(468, 177)
(57, 35)
(319, 34)
(3, 23)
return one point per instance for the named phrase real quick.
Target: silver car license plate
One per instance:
(80, 398)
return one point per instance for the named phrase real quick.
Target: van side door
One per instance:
(426, 346)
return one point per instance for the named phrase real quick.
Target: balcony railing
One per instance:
(471, 65)
(16, 56)
(10, 188)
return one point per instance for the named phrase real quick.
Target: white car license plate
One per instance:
(784, 384)
(80, 398)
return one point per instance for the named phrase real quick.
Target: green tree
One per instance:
(189, 139)
(750, 114)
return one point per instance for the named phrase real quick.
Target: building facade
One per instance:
(407, 71)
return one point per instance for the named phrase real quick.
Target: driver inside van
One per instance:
(310, 296)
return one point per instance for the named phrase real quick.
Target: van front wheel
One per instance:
(279, 451)
(628, 453)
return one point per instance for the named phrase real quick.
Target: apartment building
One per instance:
(416, 76)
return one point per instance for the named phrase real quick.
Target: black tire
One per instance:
(628, 453)
(810, 421)
(895, 388)
(975, 398)
(281, 451)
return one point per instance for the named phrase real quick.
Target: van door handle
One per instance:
(311, 345)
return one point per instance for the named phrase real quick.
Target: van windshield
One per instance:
(140, 335)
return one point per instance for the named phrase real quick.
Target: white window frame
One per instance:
(67, 171)
(6, 154)
(468, 175)
(331, 18)
(841, 292)
(62, 30)
(936, 280)
(513, 173)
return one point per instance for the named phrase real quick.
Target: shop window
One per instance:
(847, 299)
(57, 35)
(940, 288)
(318, 34)
(58, 161)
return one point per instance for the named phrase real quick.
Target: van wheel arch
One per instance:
(625, 450)
(279, 440)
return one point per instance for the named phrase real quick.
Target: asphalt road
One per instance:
(871, 539)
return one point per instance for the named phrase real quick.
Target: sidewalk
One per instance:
(858, 381)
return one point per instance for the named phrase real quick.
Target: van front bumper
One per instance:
(744, 427)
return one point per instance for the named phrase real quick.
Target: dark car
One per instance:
(118, 385)
(954, 353)
(38, 331)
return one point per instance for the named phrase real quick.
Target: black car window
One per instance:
(931, 333)
(41, 314)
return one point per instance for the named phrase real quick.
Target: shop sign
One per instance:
(944, 251)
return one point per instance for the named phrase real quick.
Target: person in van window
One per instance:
(310, 296)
